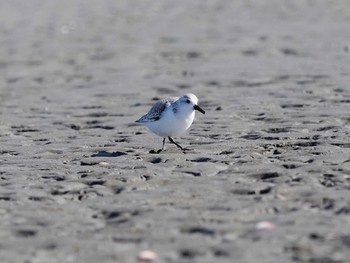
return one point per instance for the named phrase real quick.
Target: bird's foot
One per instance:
(186, 149)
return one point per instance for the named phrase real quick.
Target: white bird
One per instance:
(171, 117)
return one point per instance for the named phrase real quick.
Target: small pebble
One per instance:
(104, 164)
(147, 255)
(281, 197)
(264, 225)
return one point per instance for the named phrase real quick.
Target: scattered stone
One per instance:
(147, 256)
(103, 164)
(265, 225)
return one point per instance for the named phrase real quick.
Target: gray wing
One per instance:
(157, 109)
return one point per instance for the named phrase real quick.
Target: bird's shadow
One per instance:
(108, 154)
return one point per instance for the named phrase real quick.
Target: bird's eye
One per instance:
(188, 101)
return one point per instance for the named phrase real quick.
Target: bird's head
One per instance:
(190, 102)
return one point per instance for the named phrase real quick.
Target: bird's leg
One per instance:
(162, 146)
(178, 145)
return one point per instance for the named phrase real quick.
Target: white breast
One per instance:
(171, 124)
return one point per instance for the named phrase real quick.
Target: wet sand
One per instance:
(78, 183)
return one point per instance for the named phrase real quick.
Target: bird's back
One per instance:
(157, 109)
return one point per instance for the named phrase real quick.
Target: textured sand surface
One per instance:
(77, 181)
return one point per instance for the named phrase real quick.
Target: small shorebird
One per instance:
(171, 117)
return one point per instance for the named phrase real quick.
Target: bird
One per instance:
(171, 117)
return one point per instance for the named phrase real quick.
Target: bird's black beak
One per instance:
(196, 107)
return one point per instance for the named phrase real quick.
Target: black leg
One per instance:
(178, 145)
(162, 146)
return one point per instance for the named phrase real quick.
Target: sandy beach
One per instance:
(268, 179)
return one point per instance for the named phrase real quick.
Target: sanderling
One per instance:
(171, 117)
